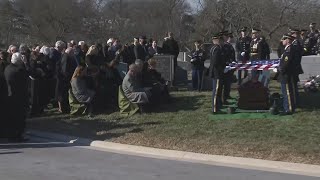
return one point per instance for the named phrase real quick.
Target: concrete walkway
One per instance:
(54, 160)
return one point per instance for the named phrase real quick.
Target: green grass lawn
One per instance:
(185, 125)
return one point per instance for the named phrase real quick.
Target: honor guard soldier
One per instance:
(286, 74)
(243, 51)
(197, 61)
(216, 71)
(230, 57)
(297, 49)
(310, 44)
(259, 48)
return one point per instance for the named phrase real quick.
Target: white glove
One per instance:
(275, 70)
(243, 53)
(192, 60)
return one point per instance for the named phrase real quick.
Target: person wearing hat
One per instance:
(286, 74)
(230, 57)
(243, 51)
(216, 71)
(297, 49)
(260, 49)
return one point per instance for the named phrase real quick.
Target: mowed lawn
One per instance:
(185, 125)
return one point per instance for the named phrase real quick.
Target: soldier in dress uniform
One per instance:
(297, 49)
(216, 71)
(259, 48)
(243, 51)
(197, 61)
(230, 57)
(286, 74)
(310, 44)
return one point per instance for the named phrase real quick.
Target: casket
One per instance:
(253, 96)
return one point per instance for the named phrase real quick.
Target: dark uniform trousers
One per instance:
(296, 95)
(287, 78)
(288, 92)
(197, 79)
(227, 81)
(216, 95)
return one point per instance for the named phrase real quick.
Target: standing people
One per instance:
(17, 82)
(154, 49)
(259, 48)
(310, 44)
(286, 74)
(243, 52)
(297, 49)
(38, 83)
(197, 61)
(55, 57)
(141, 49)
(170, 46)
(216, 71)
(230, 57)
(65, 69)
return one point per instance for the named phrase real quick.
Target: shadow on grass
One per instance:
(97, 129)
(182, 103)
(310, 101)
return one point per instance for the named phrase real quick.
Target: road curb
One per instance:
(236, 162)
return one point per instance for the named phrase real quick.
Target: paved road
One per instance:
(61, 161)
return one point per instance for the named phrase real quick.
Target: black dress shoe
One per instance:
(218, 112)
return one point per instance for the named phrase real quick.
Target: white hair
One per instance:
(45, 50)
(16, 57)
(60, 44)
(81, 43)
(69, 50)
(110, 41)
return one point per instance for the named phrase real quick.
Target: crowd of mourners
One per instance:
(35, 78)
(73, 74)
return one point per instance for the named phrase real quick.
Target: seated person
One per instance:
(80, 89)
(152, 78)
(132, 88)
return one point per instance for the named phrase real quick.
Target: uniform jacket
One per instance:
(243, 45)
(259, 49)
(217, 62)
(298, 52)
(286, 67)
(229, 53)
(198, 57)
